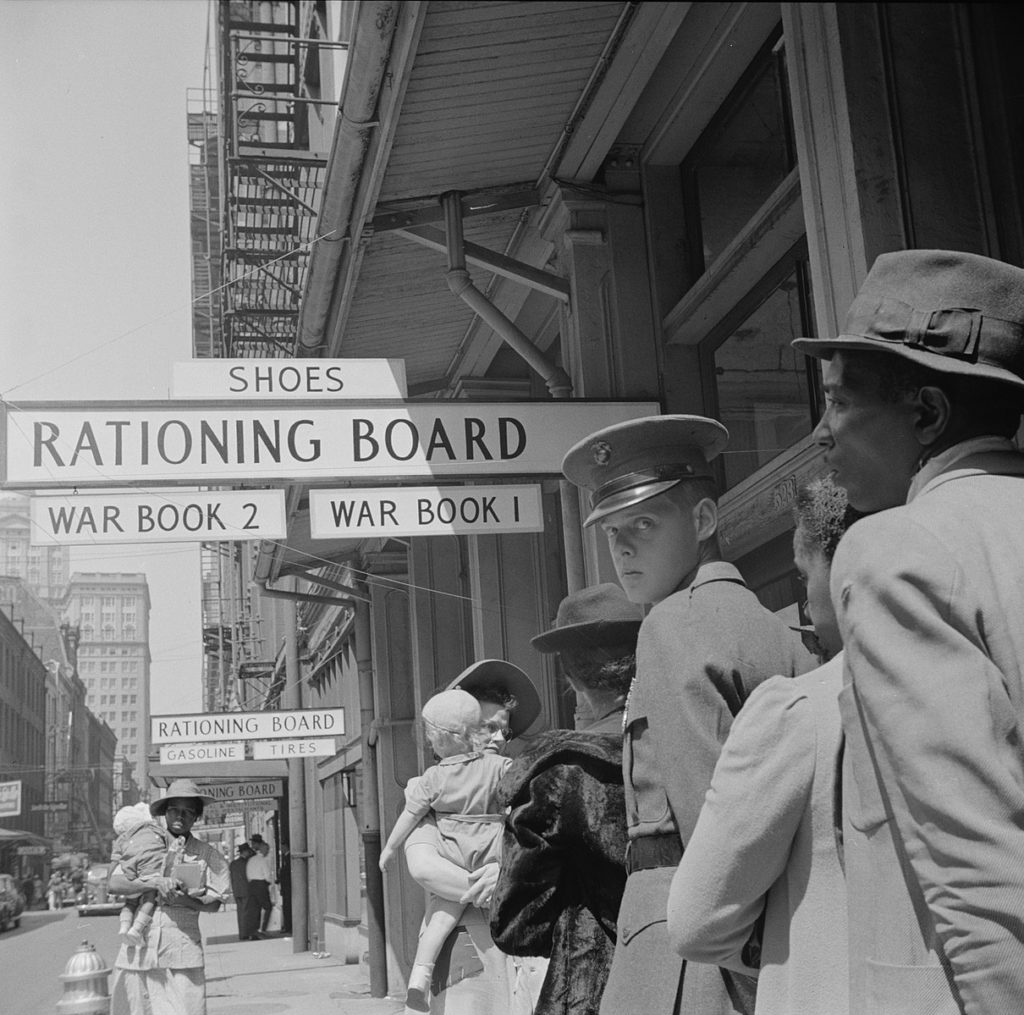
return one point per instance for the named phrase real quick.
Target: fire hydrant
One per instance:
(86, 991)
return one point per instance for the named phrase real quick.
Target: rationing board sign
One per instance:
(425, 511)
(108, 444)
(205, 727)
(158, 517)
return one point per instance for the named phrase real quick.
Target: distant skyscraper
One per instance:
(112, 611)
(43, 568)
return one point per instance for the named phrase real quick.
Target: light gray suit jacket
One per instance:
(930, 599)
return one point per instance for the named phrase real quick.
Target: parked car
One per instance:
(12, 902)
(95, 900)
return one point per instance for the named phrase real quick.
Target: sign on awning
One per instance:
(289, 378)
(288, 749)
(177, 754)
(94, 444)
(10, 799)
(424, 511)
(167, 516)
(204, 727)
(251, 790)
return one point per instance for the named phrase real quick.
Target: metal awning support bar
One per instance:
(460, 283)
(508, 267)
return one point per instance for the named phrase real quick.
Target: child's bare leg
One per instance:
(136, 934)
(441, 919)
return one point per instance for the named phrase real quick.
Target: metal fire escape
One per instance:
(256, 187)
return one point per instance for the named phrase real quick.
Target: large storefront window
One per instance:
(764, 391)
(745, 152)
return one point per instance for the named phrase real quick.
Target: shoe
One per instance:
(417, 997)
(416, 1001)
(134, 938)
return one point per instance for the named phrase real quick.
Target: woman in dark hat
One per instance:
(166, 974)
(562, 868)
(483, 981)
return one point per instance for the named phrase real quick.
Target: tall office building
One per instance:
(112, 612)
(43, 568)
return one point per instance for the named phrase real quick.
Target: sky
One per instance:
(95, 296)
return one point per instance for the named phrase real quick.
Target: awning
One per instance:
(9, 836)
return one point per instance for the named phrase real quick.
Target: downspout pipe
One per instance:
(364, 77)
(460, 283)
(558, 381)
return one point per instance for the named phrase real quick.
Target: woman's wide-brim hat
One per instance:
(506, 678)
(179, 789)
(952, 312)
(628, 463)
(594, 616)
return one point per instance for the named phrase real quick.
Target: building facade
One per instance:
(43, 568)
(592, 201)
(111, 612)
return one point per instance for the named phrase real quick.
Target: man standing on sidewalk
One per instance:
(924, 388)
(240, 890)
(258, 905)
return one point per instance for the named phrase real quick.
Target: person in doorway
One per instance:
(924, 389)
(166, 975)
(760, 886)
(562, 868)
(240, 891)
(284, 885)
(260, 877)
(705, 644)
(461, 794)
(472, 976)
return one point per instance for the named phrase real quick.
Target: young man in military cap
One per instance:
(925, 386)
(704, 646)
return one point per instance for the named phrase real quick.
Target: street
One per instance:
(255, 978)
(33, 957)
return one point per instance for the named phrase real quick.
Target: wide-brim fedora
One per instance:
(595, 616)
(496, 674)
(953, 312)
(628, 463)
(179, 789)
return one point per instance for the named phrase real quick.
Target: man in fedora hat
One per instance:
(704, 646)
(166, 974)
(925, 386)
(562, 866)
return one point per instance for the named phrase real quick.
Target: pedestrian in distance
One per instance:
(166, 974)
(258, 905)
(924, 387)
(240, 891)
(562, 866)
(461, 793)
(704, 645)
(760, 887)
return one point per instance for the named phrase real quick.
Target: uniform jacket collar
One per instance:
(716, 571)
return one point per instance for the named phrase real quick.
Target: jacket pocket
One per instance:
(908, 990)
(645, 903)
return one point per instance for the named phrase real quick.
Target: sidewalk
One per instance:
(267, 978)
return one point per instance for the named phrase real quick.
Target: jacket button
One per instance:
(625, 932)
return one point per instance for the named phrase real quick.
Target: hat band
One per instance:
(955, 332)
(656, 474)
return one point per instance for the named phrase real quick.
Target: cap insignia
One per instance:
(602, 452)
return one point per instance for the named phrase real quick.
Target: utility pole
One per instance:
(300, 856)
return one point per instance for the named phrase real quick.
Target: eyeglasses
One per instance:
(491, 727)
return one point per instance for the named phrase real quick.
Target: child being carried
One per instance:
(143, 852)
(461, 792)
